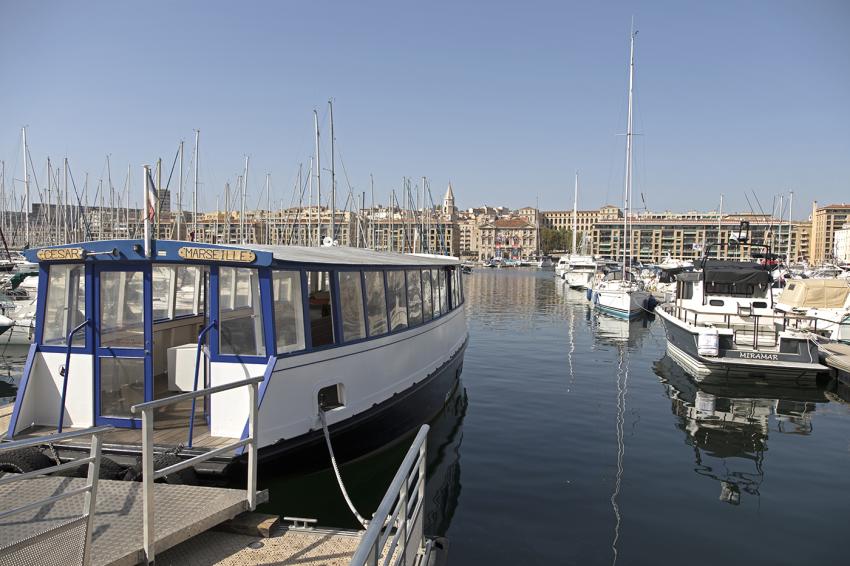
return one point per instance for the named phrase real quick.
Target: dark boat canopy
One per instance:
(737, 272)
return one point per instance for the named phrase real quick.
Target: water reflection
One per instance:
(728, 427)
(317, 495)
(12, 360)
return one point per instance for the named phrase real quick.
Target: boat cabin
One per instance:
(115, 328)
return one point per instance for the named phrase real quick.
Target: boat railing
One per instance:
(748, 323)
(149, 475)
(57, 541)
(65, 370)
(395, 534)
(201, 337)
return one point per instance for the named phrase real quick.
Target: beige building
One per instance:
(507, 238)
(826, 220)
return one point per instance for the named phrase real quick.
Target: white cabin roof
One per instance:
(343, 255)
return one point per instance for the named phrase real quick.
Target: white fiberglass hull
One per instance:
(579, 279)
(622, 303)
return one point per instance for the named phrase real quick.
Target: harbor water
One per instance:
(573, 439)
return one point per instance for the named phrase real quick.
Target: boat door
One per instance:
(123, 343)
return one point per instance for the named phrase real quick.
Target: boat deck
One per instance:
(182, 512)
(171, 429)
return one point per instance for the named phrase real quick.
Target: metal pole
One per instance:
(268, 208)
(252, 447)
(65, 205)
(790, 204)
(242, 224)
(90, 505)
(146, 187)
(147, 486)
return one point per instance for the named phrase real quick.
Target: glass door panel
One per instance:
(122, 339)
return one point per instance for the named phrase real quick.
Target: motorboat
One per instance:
(368, 344)
(581, 269)
(722, 325)
(824, 304)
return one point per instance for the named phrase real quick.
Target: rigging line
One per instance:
(79, 203)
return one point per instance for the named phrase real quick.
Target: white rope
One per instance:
(360, 519)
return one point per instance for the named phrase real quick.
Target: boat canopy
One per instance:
(815, 293)
(735, 273)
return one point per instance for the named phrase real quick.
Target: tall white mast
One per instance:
(627, 203)
(65, 205)
(26, 189)
(310, 207)
(333, 174)
(180, 196)
(719, 222)
(318, 182)
(195, 191)
(268, 209)
(145, 187)
(242, 224)
(790, 204)
(575, 214)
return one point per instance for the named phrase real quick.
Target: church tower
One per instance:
(449, 209)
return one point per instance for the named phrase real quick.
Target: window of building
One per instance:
(397, 296)
(376, 303)
(427, 298)
(288, 311)
(320, 306)
(351, 306)
(240, 312)
(65, 306)
(414, 297)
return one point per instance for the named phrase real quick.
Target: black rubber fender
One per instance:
(184, 477)
(23, 460)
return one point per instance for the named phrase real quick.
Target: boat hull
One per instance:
(625, 305)
(735, 364)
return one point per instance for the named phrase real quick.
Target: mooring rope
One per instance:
(359, 517)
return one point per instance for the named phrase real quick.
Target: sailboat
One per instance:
(621, 294)
(581, 268)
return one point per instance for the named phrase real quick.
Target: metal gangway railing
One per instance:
(56, 544)
(400, 515)
(149, 475)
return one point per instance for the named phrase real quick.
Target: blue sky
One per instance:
(505, 99)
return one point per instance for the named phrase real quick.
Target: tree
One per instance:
(554, 240)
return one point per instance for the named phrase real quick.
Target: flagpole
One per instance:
(146, 187)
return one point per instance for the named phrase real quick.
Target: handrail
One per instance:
(395, 509)
(90, 489)
(68, 371)
(55, 437)
(149, 474)
(201, 336)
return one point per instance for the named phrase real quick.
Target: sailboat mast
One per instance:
(242, 224)
(575, 214)
(627, 199)
(26, 189)
(333, 174)
(790, 204)
(180, 196)
(195, 190)
(318, 182)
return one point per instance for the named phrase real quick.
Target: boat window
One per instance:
(759, 305)
(455, 294)
(351, 306)
(444, 295)
(65, 305)
(397, 295)
(321, 317)
(414, 297)
(163, 276)
(686, 289)
(240, 312)
(435, 289)
(460, 286)
(716, 302)
(189, 292)
(288, 311)
(122, 385)
(122, 313)
(376, 303)
(427, 299)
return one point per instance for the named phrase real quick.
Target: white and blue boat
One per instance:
(375, 341)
